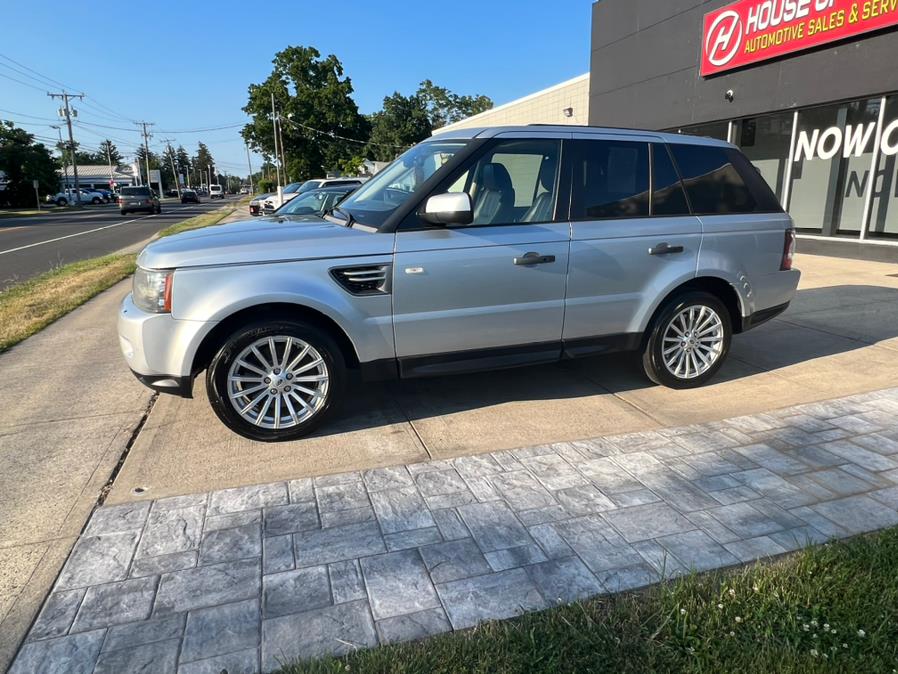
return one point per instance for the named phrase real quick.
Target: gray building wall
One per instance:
(644, 69)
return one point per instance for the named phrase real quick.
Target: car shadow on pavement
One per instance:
(821, 323)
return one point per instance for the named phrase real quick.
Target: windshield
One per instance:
(304, 204)
(375, 200)
(291, 188)
(308, 185)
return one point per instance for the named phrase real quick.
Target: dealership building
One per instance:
(808, 89)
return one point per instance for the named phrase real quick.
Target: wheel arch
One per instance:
(213, 341)
(720, 288)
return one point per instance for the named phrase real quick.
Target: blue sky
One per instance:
(186, 65)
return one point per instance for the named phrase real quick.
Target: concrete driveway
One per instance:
(840, 337)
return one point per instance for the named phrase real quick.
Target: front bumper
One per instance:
(160, 349)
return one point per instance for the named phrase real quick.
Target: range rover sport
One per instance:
(476, 249)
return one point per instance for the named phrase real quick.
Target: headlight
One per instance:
(152, 290)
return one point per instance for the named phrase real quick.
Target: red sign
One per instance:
(751, 31)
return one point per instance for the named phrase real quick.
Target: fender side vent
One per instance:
(367, 280)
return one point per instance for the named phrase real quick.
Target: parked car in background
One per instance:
(295, 189)
(138, 199)
(255, 205)
(476, 249)
(316, 202)
(95, 195)
(70, 196)
(189, 197)
(244, 190)
(216, 192)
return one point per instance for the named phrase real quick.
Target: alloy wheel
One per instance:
(693, 342)
(278, 382)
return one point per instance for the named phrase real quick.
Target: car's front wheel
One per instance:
(276, 381)
(61, 202)
(688, 342)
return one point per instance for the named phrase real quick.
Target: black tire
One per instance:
(96, 201)
(62, 202)
(157, 210)
(652, 353)
(217, 377)
(123, 212)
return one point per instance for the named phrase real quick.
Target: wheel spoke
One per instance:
(261, 358)
(287, 347)
(261, 417)
(252, 368)
(296, 361)
(274, 351)
(277, 412)
(308, 366)
(243, 393)
(252, 403)
(317, 377)
(290, 409)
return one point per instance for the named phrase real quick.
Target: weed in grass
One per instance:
(832, 608)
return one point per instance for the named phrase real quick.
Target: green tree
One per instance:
(403, 121)
(202, 160)
(23, 160)
(140, 157)
(182, 161)
(108, 153)
(445, 107)
(314, 97)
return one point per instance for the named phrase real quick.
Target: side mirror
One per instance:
(451, 208)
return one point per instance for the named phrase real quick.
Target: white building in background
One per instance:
(565, 103)
(97, 176)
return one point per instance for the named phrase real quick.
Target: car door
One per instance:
(632, 239)
(491, 293)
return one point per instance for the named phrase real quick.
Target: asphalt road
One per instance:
(31, 245)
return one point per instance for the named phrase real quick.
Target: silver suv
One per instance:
(476, 249)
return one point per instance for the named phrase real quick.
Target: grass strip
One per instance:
(832, 608)
(30, 306)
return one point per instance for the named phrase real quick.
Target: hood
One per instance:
(268, 240)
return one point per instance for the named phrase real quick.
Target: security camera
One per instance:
(730, 95)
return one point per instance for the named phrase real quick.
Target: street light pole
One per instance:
(249, 163)
(65, 166)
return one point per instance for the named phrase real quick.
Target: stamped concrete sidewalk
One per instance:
(249, 578)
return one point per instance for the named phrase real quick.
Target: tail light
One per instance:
(788, 250)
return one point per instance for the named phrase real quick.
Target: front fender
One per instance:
(211, 294)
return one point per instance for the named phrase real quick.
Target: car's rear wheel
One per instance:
(61, 202)
(95, 201)
(688, 342)
(123, 212)
(276, 381)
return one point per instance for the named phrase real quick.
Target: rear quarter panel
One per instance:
(747, 250)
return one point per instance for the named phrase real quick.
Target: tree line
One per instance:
(321, 126)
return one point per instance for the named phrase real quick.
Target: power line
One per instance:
(211, 128)
(53, 82)
(331, 134)
(23, 83)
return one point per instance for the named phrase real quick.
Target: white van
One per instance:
(216, 192)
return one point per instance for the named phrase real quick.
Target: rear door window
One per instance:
(721, 180)
(610, 179)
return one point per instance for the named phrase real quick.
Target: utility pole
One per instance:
(210, 178)
(109, 160)
(65, 166)
(67, 110)
(174, 171)
(146, 149)
(249, 163)
(283, 150)
(274, 119)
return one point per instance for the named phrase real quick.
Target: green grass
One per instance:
(204, 220)
(827, 609)
(29, 307)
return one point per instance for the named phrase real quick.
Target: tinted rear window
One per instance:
(136, 191)
(721, 180)
(611, 180)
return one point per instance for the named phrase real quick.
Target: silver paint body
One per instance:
(455, 289)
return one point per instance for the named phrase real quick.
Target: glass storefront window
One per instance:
(834, 147)
(718, 130)
(884, 207)
(765, 141)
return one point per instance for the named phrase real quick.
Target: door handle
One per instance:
(665, 249)
(530, 259)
